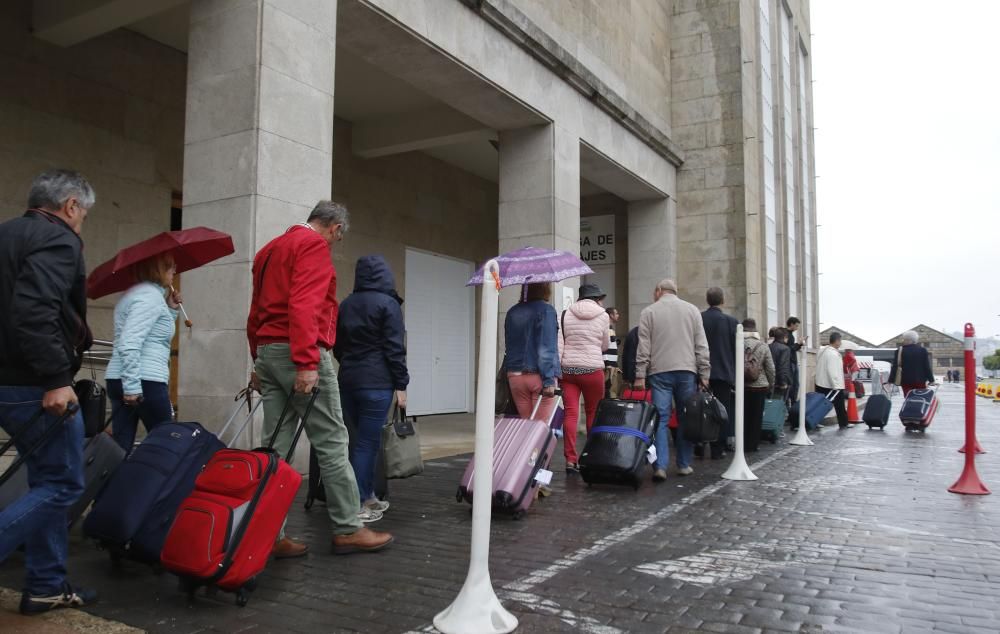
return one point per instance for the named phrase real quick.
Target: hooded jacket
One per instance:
(43, 304)
(370, 331)
(585, 335)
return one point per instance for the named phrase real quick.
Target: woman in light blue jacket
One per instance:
(139, 370)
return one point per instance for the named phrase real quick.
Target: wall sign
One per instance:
(597, 240)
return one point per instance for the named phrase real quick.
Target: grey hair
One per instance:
(667, 285)
(327, 212)
(910, 336)
(52, 188)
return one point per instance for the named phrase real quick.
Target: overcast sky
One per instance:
(907, 110)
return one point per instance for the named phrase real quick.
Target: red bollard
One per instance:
(969, 483)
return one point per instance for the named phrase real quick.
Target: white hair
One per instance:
(910, 336)
(52, 188)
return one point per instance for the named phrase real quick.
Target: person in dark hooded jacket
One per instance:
(372, 356)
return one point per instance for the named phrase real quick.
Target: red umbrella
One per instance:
(190, 248)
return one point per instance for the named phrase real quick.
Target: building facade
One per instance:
(661, 138)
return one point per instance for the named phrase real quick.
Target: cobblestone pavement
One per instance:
(855, 534)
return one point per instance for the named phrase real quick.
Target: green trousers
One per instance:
(325, 428)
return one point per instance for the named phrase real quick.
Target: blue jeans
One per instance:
(365, 412)
(153, 409)
(55, 475)
(669, 388)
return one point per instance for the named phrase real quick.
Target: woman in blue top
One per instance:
(372, 356)
(139, 370)
(531, 358)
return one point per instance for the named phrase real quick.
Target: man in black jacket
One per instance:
(43, 334)
(720, 330)
(792, 324)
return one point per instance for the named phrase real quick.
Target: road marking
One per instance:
(520, 591)
(723, 566)
(560, 565)
(820, 483)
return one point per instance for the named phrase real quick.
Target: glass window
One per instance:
(768, 152)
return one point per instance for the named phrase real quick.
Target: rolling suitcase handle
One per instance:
(302, 423)
(46, 436)
(248, 397)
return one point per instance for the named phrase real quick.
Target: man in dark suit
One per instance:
(792, 324)
(720, 330)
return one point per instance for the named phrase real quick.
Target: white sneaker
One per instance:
(367, 515)
(685, 471)
(376, 504)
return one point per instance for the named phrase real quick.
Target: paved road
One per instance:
(854, 534)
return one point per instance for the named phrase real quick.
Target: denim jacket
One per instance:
(531, 331)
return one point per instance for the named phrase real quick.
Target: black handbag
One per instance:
(93, 400)
(702, 417)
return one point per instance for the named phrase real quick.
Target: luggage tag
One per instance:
(544, 476)
(651, 454)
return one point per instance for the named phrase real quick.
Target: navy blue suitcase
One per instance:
(817, 407)
(133, 513)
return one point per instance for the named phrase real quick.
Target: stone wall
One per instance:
(112, 108)
(624, 43)
(409, 200)
(709, 125)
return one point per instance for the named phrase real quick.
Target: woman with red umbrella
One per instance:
(146, 320)
(139, 371)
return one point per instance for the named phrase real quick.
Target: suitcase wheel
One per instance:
(309, 502)
(518, 515)
(243, 594)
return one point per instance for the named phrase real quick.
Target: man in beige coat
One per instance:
(673, 357)
(830, 376)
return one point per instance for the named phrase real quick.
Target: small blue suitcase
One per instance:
(817, 407)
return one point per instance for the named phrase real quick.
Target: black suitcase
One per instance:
(101, 457)
(617, 445)
(316, 491)
(877, 411)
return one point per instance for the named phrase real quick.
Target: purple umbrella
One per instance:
(530, 265)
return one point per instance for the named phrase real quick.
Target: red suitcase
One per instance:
(223, 532)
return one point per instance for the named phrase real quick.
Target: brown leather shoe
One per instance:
(364, 540)
(287, 548)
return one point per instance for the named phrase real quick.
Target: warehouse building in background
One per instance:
(661, 138)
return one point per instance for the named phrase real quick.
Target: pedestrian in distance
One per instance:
(138, 374)
(531, 356)
(585, 336)
(291, 329)
(782, 356)
(830, 376)
(372, 357)
(911, 366)
(43, 335)
(720, 331)
(759, 377)
(673, 356)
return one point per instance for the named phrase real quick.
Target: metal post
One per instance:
(739, 469)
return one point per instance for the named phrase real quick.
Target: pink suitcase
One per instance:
(521, 448)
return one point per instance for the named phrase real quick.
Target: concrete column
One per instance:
(258, 154)
(539, 197)
(652, 250)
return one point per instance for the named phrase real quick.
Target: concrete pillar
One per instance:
(539, 197)
(258, 154)
(652, 250)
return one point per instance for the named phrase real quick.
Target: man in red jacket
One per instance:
(291, 330)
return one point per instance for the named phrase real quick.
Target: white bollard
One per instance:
(801, 437)
(476, 609)
(739, 469)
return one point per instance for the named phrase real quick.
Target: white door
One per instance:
(439, 311)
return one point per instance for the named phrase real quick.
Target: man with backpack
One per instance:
(758, 381)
